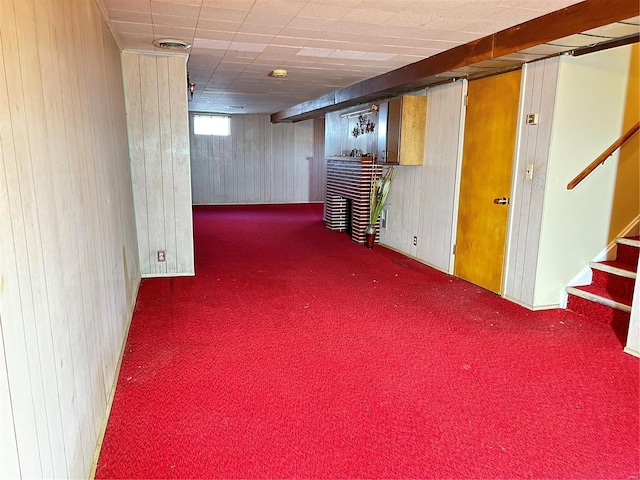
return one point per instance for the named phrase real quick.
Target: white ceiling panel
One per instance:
(324, 44)
(175, 9)
(143, 6)
(614, 30)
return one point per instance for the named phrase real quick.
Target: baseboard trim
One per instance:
(632, 351)
(105, 420)
(167, 275)
(530, 307)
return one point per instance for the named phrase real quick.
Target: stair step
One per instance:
(631, 241)
(614, 276)
(608, 299)
(617, 319)
(601, 296)
(627, 251)
(615, 267)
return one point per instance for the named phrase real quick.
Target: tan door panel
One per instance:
(485, 183)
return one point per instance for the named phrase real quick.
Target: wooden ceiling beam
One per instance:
(562, 23)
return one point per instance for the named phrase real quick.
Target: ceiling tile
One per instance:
(254, 38)
(614, 30)
(218, 25)
(128, 16)
(319, 11)
(632, 21)
(183, 2)
(278, 53)
(285, 41)
(136, 41)
(483, 27)
(142, 6)
(513, 16)
(414, 20)
(576, 41)
(310, 23)
(498, 63)
(288, 32)
(126, 27)
(173, 21)
(176, 9)
(324, 44)
(237, 56)
(271, 19)
(368, 16)
(523, 57)
(211, 43)
(474, 11)
(378, 57)
(347, 54)
(247, 46)
(355, 28)
(174, 32)
(222, 14)
(271, 30)
(543, 50)
(278, 7)
(539, 5)
(214, 35)
(243, 5)
(315, 52)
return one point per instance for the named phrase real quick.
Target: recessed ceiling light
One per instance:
(171, 44)
(278, 73)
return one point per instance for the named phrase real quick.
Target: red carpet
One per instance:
(295, 353)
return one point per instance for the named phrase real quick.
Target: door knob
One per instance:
(501, 201)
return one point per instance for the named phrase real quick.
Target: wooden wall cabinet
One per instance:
(401, 130)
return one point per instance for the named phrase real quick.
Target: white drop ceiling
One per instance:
(323, 44)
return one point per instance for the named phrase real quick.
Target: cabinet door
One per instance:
(383, 110)
(413, 122)
(401, 130)
(394, 126)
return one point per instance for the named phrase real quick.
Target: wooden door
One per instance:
(487, 161)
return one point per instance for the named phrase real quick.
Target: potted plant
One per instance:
(380, 186)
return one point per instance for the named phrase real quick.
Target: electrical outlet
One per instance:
(415, 240)
(162, 256)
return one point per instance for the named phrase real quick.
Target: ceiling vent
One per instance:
(171, 44)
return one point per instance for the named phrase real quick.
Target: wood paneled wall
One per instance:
(157, 121)
(68, 258)
(527, 198)
(422, 201)
(259, 163)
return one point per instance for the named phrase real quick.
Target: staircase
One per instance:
(608, 298)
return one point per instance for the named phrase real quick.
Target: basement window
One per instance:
(211, 125)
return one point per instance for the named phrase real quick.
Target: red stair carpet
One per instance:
(295, 353)
(612, 281)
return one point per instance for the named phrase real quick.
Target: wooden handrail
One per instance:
(603, 157)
